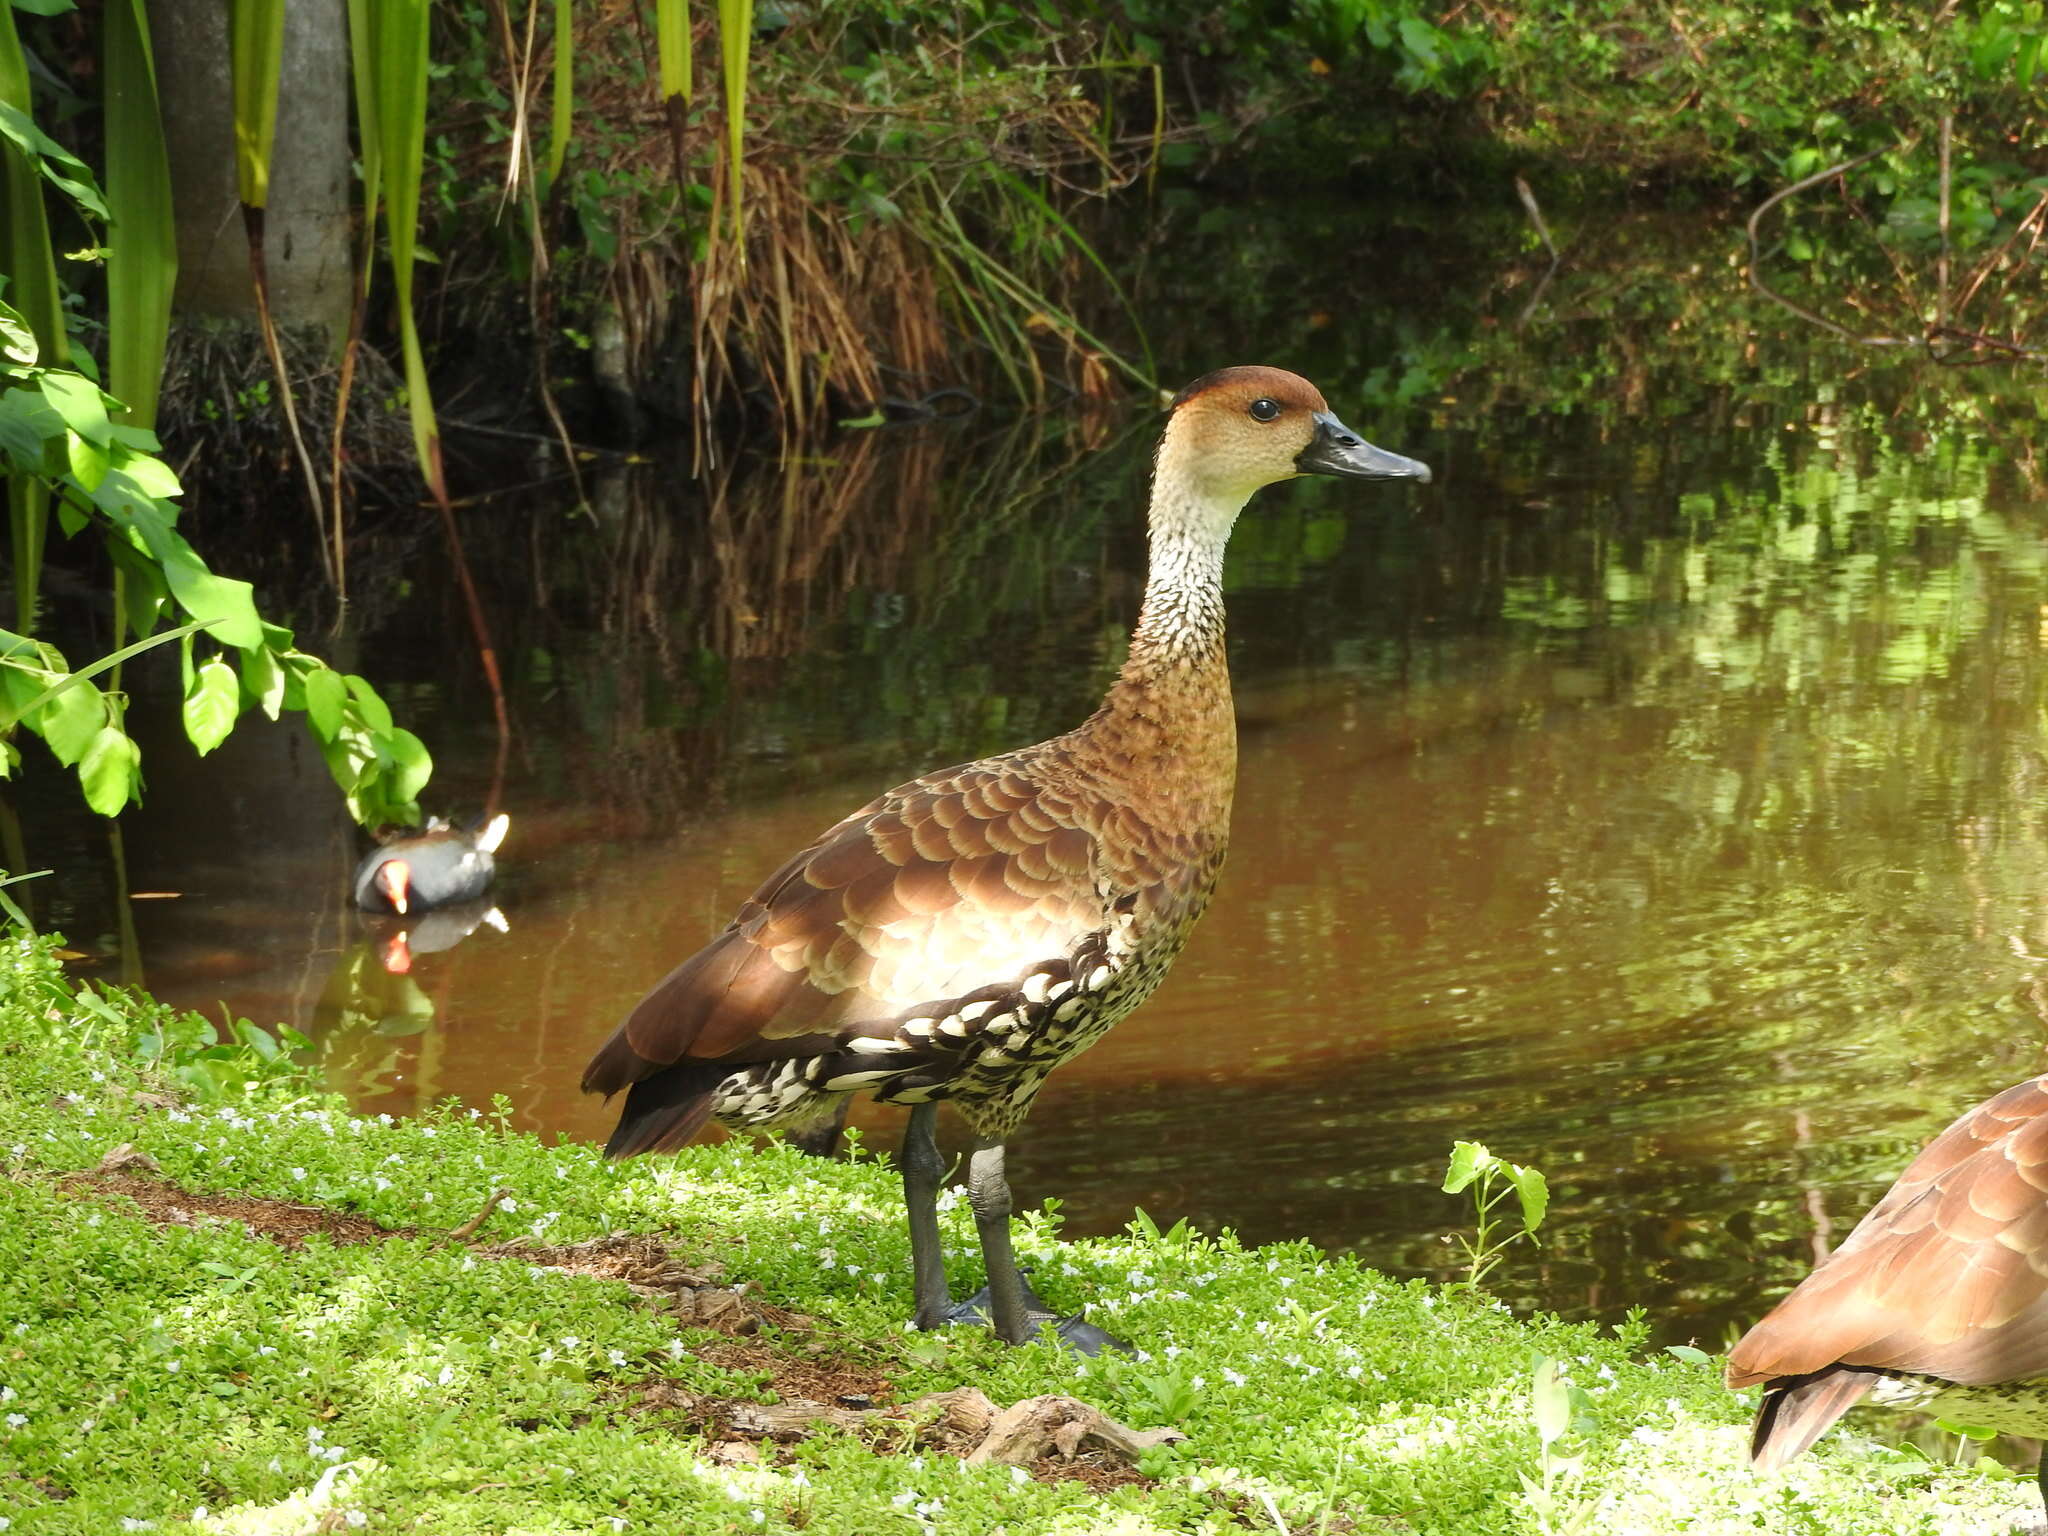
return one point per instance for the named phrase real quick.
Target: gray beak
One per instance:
(1337, 450)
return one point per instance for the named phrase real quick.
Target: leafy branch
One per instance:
(58, 427)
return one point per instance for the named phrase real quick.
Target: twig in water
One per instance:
(1535, 216)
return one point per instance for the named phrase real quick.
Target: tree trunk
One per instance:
(307, 225)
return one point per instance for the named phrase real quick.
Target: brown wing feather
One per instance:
(952, 882)
(1946, 1276)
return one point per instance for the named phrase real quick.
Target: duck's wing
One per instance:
(955, 883)
(1946, 1276)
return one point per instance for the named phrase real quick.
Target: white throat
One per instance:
(1190, 526)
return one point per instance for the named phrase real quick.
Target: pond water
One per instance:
(1657, 797)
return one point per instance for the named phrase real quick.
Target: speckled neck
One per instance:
(1168, 727)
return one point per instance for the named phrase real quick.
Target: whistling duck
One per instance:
(432, 868)
(1938, 1300)
(965, 933)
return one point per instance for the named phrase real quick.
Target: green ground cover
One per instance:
(158, 1375)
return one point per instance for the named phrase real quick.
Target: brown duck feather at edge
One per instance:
(1946, 1276)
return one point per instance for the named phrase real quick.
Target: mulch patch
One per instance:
(132, 1176)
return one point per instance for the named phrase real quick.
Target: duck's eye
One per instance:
(1263, 409)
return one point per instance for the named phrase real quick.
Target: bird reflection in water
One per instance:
(372, 1005)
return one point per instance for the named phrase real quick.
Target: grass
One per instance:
(194, 1377)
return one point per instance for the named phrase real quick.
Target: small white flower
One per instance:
(1233, 1377)
(570, 1341)
(905, 1498)
(130, 1523)
(298, 1173)
(509, 1203)
(382, 1183)
(357, 1518)
(8, 1394)
(447, 1375)
(16, 1420)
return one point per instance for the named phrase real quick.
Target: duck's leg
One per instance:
(922, 1171)
(989, 1193)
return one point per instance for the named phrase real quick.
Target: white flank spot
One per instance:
(974, 1011)
(872, 1045)
(848, 1081)
(919, 1029)
(1097, 977)
(1060, 991)
(956, 1026)
(1036, 986)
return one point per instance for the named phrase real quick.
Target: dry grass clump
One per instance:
(905, 222)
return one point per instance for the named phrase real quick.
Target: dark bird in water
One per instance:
(416, 871)
(965, 933)
(1938, 1300)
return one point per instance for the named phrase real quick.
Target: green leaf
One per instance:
(227, 606)
(151, 474)
(70, 721)
(412, 766)
(256, 50)
(110, 771)
(1688, 1354)
(1967, 1431)
(263, 678)
(17, 340)
(30, 430)
(1469, 1159)
(143, 592)
(1534, 1191)
(212, 704)
(375, 712)
(142, 258)
(89, 463)
(326, 698)
(82, 405)
(58, 165)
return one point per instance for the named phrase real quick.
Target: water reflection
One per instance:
(1656, 799)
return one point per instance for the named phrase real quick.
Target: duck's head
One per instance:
(1238, 429)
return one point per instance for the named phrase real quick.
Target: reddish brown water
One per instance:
(1657, 798)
